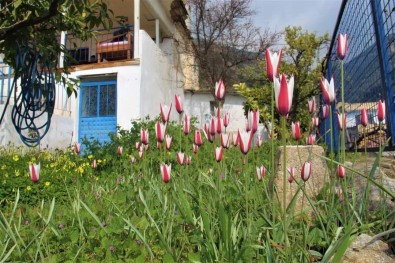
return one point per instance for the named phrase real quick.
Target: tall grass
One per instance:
(122, 211)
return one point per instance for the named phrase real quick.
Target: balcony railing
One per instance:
(109, 45)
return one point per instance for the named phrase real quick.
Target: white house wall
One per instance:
(159, 81)
(198, 105)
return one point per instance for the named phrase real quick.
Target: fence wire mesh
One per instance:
(369, 72)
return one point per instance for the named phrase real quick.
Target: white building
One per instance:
(124, 75)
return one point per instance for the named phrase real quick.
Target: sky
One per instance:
(317, 16)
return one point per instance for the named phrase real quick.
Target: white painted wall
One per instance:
(159, 79)
(198, 105)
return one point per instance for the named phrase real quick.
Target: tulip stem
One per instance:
(343, 130)
(180, 121)
(284, 139)
(271, 134)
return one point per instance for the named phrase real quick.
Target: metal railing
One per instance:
(369, 71)
(109, 45)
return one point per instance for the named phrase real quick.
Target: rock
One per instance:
(360, 252)
(296, 156)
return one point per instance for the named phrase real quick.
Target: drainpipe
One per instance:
(136, 35)
(157, 32)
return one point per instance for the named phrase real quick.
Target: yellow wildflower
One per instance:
(15, 158)
(28, 188)
(17, 173)
(90, 156)
(47, 184)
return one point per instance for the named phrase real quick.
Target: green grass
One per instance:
(123, 212)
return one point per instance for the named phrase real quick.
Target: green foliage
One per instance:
(123, 212)
(37, 25)
(300, 58)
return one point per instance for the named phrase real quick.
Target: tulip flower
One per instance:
(341, 123)
(272, 63)
(119, 151)
(209, 137)
(259, 141)
(291, 171)
(364, 117)
(328, 90)
(188, 160)
(198, 138)
(284, 92)
(141, 153)
(187, 124)
(165, 112)
(132, 159)
(212, 128)
(160, 130)
(226, 119)
(94, 164)
(218, 154)
(341, 172)
(219, 125)
(138, 144)
(311, 105)
(34, 170)
(325, 111)
(342, 46)
(180, 158)
(315, 120)
(245, 139)
(260, 172)
(381, 111)
(235, 139)
(220, 89)
(195, 148)
(169, 141)
(296, 130)
(253, 120)
(77, 148)
(305, 173)
(144, 136)
(311, 139)
(225, 140)
(179, 108)
(165, 171)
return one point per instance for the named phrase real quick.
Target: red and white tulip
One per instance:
(342, 46)
(218, 153)
(296, 130)
(179, 107)
(165, 112)
(272, 63)
(165, 171)
(220, 89)
(260, 172)
(160, 130)
(283, 90)
(305, 173)
(144, 136)
(34, 170)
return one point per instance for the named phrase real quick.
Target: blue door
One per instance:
(98, 110)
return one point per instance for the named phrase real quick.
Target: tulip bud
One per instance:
(291, 171)
(180, 158)
(283, 90)
(226, 119)
(306, 171)
(381, 111)
(296, 130)
(198, 138)
(220, 90)
(94, 164)
(178, 104)
(342, 46)
(119, 151)
(260, 172)
(311, 139)
(311, 105)
(187, 124)
(144, 136)
(325, 111)
(225, 142)
(218, 154)
(195, 148)
(245, 139)
(328, 90)
(364, 117)
(77, 148)
(165, 171)
(169, 141)
(34, 170)
(341, 172)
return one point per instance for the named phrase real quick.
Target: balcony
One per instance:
(115, 44)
